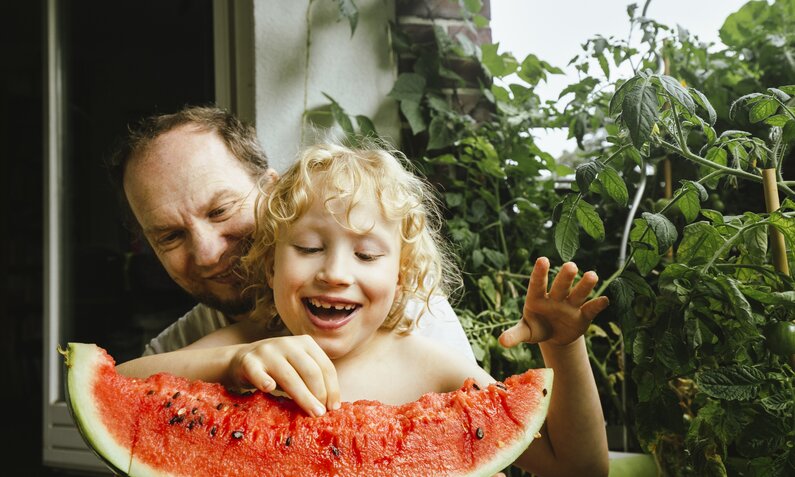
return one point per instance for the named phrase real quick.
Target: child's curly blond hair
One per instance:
(333, 172)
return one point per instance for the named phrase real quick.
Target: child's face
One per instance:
(333, 282)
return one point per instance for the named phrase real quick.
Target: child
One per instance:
(344, 240)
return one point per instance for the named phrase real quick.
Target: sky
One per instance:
(553, 30)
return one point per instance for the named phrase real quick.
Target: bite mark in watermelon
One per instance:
(167, 425)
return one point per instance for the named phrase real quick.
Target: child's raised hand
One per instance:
(296, 364)
(559, 316)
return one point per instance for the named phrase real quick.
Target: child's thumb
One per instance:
(518, 333)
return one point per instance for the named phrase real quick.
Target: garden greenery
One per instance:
(700, 317)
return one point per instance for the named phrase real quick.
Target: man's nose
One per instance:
(335, 270)
(209, 246)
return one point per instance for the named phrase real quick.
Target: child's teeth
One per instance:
(319, 304)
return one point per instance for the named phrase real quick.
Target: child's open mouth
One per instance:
(329, 315)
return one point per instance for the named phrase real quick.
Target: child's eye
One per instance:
(307, 250)
(367, 257)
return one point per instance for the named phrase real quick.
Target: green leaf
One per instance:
(639, 111)
(341, 117)
(614, 185)
(586, 173)
(439, 134)
(690, 205)
(699, 243)
(778, 402)
(777, 120)
(663, 229)
(678, 92)
(740, 305)
(366, 126)
(746, 99)
(348, 10)
(789, 89)
(617, 100)
(413, 113)
(732, 383)
(497, 65)
(603, 64)
(567, 233)
(621, 295)
(408, 87)
(786, 225)
(784, 97)
(590, 220)
(701, 191)
(702, 101)
(645, 258)
(473, 6)
(762, 110)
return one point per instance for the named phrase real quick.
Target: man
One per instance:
(189, 181)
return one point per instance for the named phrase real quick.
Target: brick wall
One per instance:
(417, 18)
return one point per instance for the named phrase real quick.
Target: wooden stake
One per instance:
(776, 237)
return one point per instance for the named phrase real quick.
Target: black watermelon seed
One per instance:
(479, 433)
(176, 419)
(213, 430)
(150, 392)
(168, 404)
(201, 420)
(500, 385)
(237, 434)
(193, 411)
(288, 441)
(237, 405)
(475, 386)
(220, 406)
(176, 395)
(544, 391)
(335, 451)
(191, 424)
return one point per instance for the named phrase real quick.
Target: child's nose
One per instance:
(335, 271)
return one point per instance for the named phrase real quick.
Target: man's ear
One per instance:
(272, 176)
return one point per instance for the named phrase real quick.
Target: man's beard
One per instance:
(230, 307)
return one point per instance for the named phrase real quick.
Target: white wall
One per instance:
(301, 51)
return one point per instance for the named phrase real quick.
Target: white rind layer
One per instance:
(87, 416)
(507, 455)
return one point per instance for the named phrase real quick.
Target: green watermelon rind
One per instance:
(513, 450)
(82, 406)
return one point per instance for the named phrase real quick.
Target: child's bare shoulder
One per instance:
(438, 363)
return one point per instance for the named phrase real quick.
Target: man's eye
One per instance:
(220, 211)
(169, 239)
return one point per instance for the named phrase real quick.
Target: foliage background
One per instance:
(683, 357)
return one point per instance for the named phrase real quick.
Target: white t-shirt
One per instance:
(440, 325)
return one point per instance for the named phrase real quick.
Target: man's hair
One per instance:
(332, 172)
(239, 137)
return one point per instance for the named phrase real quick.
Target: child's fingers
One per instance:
(292, 383)
(537, 288)
(329, 374)
(594, 307)
(583, 288)
(563, 281)
(255, 375)
(523, 332)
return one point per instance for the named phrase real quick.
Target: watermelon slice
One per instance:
(167, 425)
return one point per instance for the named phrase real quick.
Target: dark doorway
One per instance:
(121, 61)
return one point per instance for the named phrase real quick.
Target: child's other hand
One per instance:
(296, 364)
(559, 316)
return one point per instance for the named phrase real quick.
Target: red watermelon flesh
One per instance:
(167, 425)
